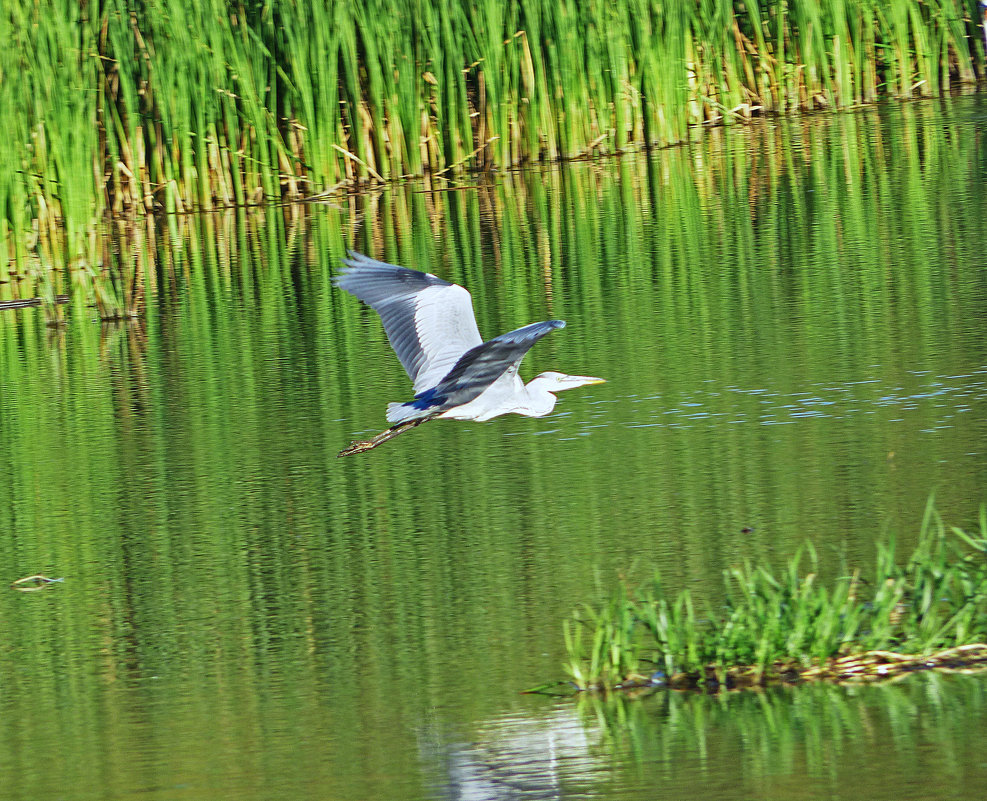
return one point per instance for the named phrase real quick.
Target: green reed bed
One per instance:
(928, 612)
(809, 191)
(120, 107)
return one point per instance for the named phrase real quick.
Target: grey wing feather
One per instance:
(480, 366)
(429, 322)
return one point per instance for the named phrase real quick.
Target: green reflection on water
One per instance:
(791, 320)
(904, 740)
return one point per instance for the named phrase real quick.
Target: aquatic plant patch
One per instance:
(927, 612)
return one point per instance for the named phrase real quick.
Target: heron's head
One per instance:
(540, 391)
(556, 382)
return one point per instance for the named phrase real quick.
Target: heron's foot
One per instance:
(358, 446)
(361, 445)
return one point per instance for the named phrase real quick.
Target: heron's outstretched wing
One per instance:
(480, 366)
(428, 321)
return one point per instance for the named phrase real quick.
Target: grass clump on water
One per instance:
(930, 612)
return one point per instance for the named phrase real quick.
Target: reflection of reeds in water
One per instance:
(736, 742)
(917, 732)
(849, 238)
(929, 613)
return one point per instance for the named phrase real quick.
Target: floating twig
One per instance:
(35, 582)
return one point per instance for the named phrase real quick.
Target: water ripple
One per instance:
(933, 402)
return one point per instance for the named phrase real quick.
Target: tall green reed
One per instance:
(124, 107)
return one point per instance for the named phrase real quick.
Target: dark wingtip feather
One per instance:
(359, 269)
(531, 332)
(352, 261)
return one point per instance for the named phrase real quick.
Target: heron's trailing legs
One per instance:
(359, 446)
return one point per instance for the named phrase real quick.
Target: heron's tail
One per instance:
(426, 404)
(403, 412)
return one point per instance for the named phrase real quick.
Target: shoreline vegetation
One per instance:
(118, 110)
(807, 190)
(929, 613)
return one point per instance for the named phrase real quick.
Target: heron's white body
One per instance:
(507, 395)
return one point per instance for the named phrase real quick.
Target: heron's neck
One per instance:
(538, 401)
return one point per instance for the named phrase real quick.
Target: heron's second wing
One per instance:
(428, 321)
(479, 367)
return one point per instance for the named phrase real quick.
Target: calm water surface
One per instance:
(792, 321)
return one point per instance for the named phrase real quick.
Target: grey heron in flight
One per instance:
(456, 375)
